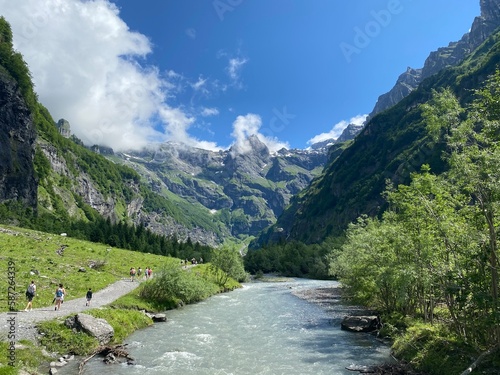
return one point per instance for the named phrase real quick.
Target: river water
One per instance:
(261, 329)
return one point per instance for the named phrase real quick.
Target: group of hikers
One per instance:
(148, 273)
(194, 262)
(58, 296)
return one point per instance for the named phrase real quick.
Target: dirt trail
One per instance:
(26, 321)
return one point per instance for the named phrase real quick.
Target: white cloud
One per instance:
(191, 33)
(337, 129)
(234, 67)
(178, 123)
(200, 84)
(87, 68)
(206, 112)
(244, 127)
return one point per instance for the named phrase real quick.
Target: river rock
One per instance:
(360, 323)
(96, 327)
(159, 318)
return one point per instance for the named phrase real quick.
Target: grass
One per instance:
(57, 338)
(433, 349)
(34, 255)
(27, 356)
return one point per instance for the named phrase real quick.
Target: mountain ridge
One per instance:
(392, 144)
(453, 54)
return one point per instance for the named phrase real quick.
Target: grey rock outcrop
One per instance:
(482, 27)
(17, 139)
(64, 128)
(349, 133)
(95, 327)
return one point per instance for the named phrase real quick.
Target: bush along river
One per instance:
(262, 328)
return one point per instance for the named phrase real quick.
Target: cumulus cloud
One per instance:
(88, 67)
(337, 129)
(248, 125)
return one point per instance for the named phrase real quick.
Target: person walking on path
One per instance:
(89, 297)
(60, 292)
(30, 293)
(26, 323)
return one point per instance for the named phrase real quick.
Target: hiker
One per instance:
(139, 273)
(150, 273)
(146, 273)
(30, 293)
(132, 273)
(89, 297)
(60, 293)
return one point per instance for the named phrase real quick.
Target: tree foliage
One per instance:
(436, 245)
(227, 263)
(291, 258)
(173, 284)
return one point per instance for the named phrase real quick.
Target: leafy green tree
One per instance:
(475, 162)
(227, 262)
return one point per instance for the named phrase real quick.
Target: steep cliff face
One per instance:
(452, 55)
(17, 137)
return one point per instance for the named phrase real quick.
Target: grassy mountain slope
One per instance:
(51, 259)
(391, 146)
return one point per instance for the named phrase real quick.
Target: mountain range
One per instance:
(236, 194)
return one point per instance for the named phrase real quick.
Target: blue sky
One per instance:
(210, 72)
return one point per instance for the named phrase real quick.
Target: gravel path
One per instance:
(26, 321)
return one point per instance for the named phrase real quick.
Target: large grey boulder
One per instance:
(95, 327)
(360, 323)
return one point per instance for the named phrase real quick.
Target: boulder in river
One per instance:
(360, 323)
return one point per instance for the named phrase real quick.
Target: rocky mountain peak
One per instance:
(452, 55)
(349, 133)
(251, 145)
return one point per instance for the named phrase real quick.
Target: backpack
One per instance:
(59, 293)
(30, 290)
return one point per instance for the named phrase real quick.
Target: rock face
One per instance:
(64, 128)
(95, 327)
(349, 133)
(482, 27)
(17, 138)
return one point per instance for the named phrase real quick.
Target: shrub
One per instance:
(172, 284)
